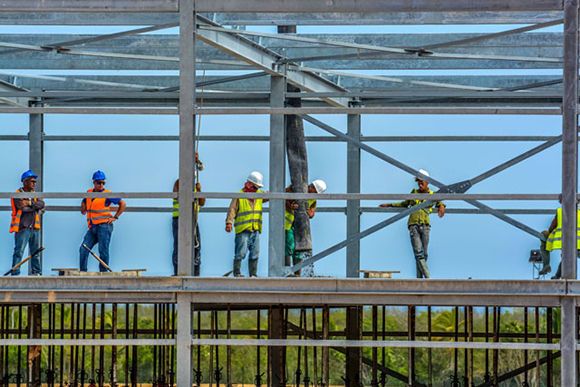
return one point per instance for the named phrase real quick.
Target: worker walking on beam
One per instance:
(197, 203)
(100, 222)
(292, 257)
(25, 224)
(246, 217)
(419, 223)
(554, 241)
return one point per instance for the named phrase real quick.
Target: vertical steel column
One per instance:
(277, 355)
(569, 188)
(183, 340)
(36, 158)
(276, 242)
(353, 355)
(186, 135)
(353, 169)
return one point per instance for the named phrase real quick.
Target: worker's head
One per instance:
(317, 186)
(99, 180)
(28, 179)
(421, 181)
(254, 181)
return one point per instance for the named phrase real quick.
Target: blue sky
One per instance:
(462, 246)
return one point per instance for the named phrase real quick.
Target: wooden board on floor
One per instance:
(378, 273)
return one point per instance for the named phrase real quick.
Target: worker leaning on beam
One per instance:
(554, 241)
(197, 203)
(419, 223)
(25, 224)
(246, 217)
(292, 257)
(100, 221)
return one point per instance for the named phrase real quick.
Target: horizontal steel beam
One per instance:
(264, 18)
(377, 344)
(280, 6)
(276, 195)
(295, 291)
(220, 210)
(492, 110)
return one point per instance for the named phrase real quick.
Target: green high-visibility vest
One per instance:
(248, 218)
(554, 241)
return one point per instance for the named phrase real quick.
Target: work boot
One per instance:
(253, 267)
(237, 268)
(545, 270)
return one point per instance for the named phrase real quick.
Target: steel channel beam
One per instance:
(394, 110)
(353, 184)
(36, 161)
(264, 18)
(277, 180)
(280, 6)
(222, 210)
(186, 136)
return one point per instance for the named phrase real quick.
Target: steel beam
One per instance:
(280, 6)
(264, 18)
(36, 160)
(183, 340)
(186, 137)
(276, 241)
(353, 184)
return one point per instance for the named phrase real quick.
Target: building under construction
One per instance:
(182, 330)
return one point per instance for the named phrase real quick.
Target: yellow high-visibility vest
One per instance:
(175, 212)
(288, 220)
(554, 241)
(248, 218)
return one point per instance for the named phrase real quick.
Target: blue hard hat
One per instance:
(27, 175)
(99, 175)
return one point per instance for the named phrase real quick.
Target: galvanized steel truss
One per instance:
(316, 64)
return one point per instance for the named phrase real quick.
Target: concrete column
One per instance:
(183, 342)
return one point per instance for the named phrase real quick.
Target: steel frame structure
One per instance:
(316, 65)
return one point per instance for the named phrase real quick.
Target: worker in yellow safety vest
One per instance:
(554, 240)
(292, 257)
(197, 203)
(245, 217)
(419, 224)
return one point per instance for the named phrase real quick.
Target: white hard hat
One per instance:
(319, 186)
(256, 178)
(422, 173)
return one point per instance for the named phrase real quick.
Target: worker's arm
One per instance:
(23, 205)
(120, 210)
(232, 211)
(200, 201)
(38, 204)
(312, 210)
(84, 207)
(553, 225)
(404, 203)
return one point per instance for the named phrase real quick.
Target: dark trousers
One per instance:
(31, 238)
(196, 250)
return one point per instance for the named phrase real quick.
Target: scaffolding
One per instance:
(320, 66)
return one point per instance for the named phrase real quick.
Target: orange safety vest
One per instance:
(97, 212)
(16, 214)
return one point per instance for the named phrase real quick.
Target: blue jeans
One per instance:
(101, 234)
(31, 238)
(196, 248)
(419, 234)
(247, 241)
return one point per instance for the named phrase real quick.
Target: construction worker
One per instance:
(25, 224)
(175, 224)
(292, 257)
(419, 224)
(100, 221)
(554, 240)
(245, 216)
